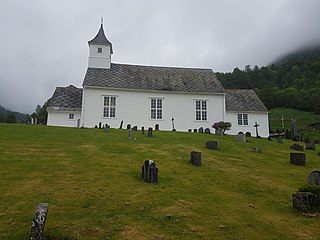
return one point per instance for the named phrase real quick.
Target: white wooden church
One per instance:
(145, 96)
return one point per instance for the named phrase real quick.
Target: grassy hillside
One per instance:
(303, 119)
(91, 180)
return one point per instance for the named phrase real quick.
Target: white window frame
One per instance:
(242, 119)
(201, 110)
(109, 106)
(156, 108)
(71, 116)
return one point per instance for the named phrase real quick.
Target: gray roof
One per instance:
(154, 78)
(243, 100)
(66, 99)
(101, 39)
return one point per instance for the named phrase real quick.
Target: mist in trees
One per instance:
(294, 82)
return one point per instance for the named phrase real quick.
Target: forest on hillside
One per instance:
(293, 81)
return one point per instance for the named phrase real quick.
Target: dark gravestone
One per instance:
(128, 126)
(135, 128)
(142, 130)
(298, 159)
(294, 131)
(156, 127)
(212, 145)
(297, 147)
(150, 132)
(39, 220)
(269, 139)
(248, 134)
(195, 158)
(311, 146)
(207, 131)
(201, 130)
(314, 178)
(279, 139)
(189, 130)
(149, 172)
(121, 124)
(303, 201)
(100, 125)
(195, 130)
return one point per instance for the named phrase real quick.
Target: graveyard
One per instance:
(92, 181)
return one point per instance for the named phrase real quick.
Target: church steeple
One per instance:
(100, 50)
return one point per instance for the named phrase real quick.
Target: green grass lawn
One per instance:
(91, 180)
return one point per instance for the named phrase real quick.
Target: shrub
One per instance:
(223, 126)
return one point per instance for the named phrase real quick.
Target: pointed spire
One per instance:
(100, 38)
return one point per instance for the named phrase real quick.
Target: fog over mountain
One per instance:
(44, 43)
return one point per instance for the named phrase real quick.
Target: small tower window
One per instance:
(99, 50)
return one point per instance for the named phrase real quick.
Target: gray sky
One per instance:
(44, 42)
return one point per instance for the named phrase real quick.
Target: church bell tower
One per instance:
(100, 50)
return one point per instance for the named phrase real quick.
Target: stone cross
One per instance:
(256, 125)
(39, 220)
(172, 119)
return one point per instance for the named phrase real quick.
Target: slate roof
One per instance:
(66, 99)
(243, 100)
(154, 78)
(101, 39)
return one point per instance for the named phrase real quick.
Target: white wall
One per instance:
(260, 118)
(134, 108)
(61, 118)
(99, 60)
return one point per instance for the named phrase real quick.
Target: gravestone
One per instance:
(269, 139)
(207, 131)
(150, 172)
(189, 130)
(279, 139)
(128, 126)
(303, 201)
(150, 132)
(195, 158)
(288, 134)
(39, 220)
(311, 146)
(121, 124)
(201, 130)
(130, 134)
(314, 178)
(294, 130)
(142, 130)
(135, 128)
(298, 159)
(195, 130)
(240, 137)
(156, 127)
(212, 145)
(100, 125)
(297, 147)
(248, 134)
(218, 132)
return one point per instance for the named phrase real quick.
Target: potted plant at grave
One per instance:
(221, 127)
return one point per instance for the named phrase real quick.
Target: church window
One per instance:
(71, 116)
(243, 119)
(109, 106)
(99, 50)
(156, 108)
(201, 110)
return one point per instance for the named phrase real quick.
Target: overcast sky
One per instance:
(44, 42)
